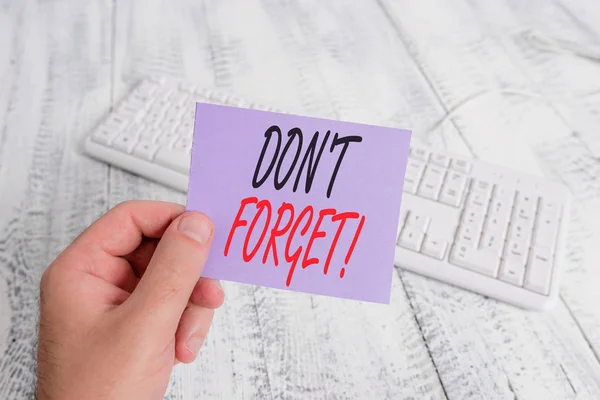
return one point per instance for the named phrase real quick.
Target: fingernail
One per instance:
(197, 227)
(193, 344)
(218, 285)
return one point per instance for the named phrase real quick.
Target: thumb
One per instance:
(167, 284)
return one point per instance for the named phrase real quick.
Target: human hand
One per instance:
(124, 303)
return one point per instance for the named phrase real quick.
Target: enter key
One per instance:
(539, 270)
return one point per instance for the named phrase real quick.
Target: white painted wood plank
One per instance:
(57, 54)
(584, 15)
(460, 60)
(571, 84)
(332, 61)
(8, 28)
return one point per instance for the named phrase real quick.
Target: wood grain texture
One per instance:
(56, 54)
(516, 362)
(571, 85)
(396, 63)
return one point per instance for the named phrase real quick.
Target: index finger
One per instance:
(121, 229)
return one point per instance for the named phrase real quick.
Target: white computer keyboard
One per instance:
(465, 222)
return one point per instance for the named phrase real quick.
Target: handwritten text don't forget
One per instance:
(278, 225)
(298, 203)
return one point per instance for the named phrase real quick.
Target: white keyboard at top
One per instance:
(483, 227)
(472, 224)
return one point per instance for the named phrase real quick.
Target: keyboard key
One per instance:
(483, 187)
(450, 196)
(123, 143)
(133, 110)
(419, 154)
(453, 189)
(525, 206)
(414, 169)
(512, 271)
(497, 223)
(182, 145)
(500, 205)
(499, 211)
(169, 125)
(484, 262)
(549, 207)
(166, 139)
(145, 150)
(516, 250)
(520, 231)
(117, 122)
(411, 238)
(135, 131)
(434, 247)
(419, 221)
(431, 183)
(443, 228)
(434, 172)
(146, 133)
(473, 215)
(440, 160)
(468, 235)
(185, 129)
(539, 271)
(478, 199)
(176, 160)
(410, 185)
(456, 180)
(545, 231)
(103, 135)
(504, 195)
(460, 165)
(493, 242)
(144, 93)
(154, 117)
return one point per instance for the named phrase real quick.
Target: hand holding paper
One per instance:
(299, 203)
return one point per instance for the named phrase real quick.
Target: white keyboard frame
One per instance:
(147, 169)
(444, 271)
(482, 284)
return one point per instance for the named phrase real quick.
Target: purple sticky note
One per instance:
(299, 203)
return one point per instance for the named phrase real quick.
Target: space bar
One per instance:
(177, 160)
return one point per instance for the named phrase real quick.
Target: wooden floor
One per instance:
(401, 63)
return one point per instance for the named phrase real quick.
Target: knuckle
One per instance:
(124, 206)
